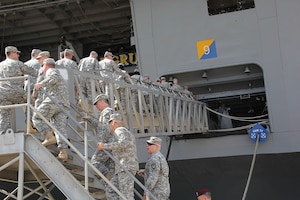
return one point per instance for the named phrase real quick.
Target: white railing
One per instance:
(147, 110)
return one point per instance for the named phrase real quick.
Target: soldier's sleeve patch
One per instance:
(153, 166)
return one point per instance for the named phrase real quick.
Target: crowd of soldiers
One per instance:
(112, 135)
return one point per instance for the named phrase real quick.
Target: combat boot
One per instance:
(63, 156)
(32, 129)
(50, 139)
(108, 176)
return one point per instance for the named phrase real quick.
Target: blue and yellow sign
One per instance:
(206, 49)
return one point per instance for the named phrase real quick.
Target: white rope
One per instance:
(237, 128)
(251, 169)
(246, 119)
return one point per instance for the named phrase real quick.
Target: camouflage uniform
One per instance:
(157, 176)
(12, 91)
(33, 63)
(85, 65)
(122, 75)
(71, 65)
(136, 80)
(39, 98)
(55, 85)
(67, 63)
(164, 84)
(107, 67)
(176, 87)
(100, 159)
(124, 150)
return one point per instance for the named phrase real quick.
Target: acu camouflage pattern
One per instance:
(71, 65)
(157, 176)
(32, 63)
(39, 96)
(91, 65)
(176, 87)
(124, 150)
(100, 159)
(88, 64)
(125, 185)
(12, 91)
(67, 63)
(107, 68)
(13, 68)
(55, 85)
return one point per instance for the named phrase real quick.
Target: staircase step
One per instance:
(99, 195)
(81, 178)
(73, 167)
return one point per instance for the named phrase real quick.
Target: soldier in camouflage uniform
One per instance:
(124, 150)
(156, 172)
(67, 61)
(175, 86)
(163, 83)
(70, 64)
(41, 57)
(100, 159)
(55, 85)
(89, 64)
(123, 76)
(33, 63)
(107, 67)
(12, 91)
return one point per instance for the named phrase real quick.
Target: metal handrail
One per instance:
(94, 139)
(165, 104)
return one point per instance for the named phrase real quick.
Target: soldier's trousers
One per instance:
(104, 164)
(53, 114)
(125, 185)
(12, 97)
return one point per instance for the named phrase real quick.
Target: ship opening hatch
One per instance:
(239, 88)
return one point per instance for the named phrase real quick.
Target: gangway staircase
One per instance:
(35, 163)
(147, 110)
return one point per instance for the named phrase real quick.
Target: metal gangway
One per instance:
(148, 110)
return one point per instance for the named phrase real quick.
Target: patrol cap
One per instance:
(100, 97)
(154, 140)
(93, 53)
(116, 117)
(11, 49)
(68, 51)
(107, 53)
(42, 54)
(162, 78)
(35, 51)
(49, 61)
(202, 191)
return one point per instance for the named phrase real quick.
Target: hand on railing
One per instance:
(85, 117)
(141, 172)
(100, 146)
